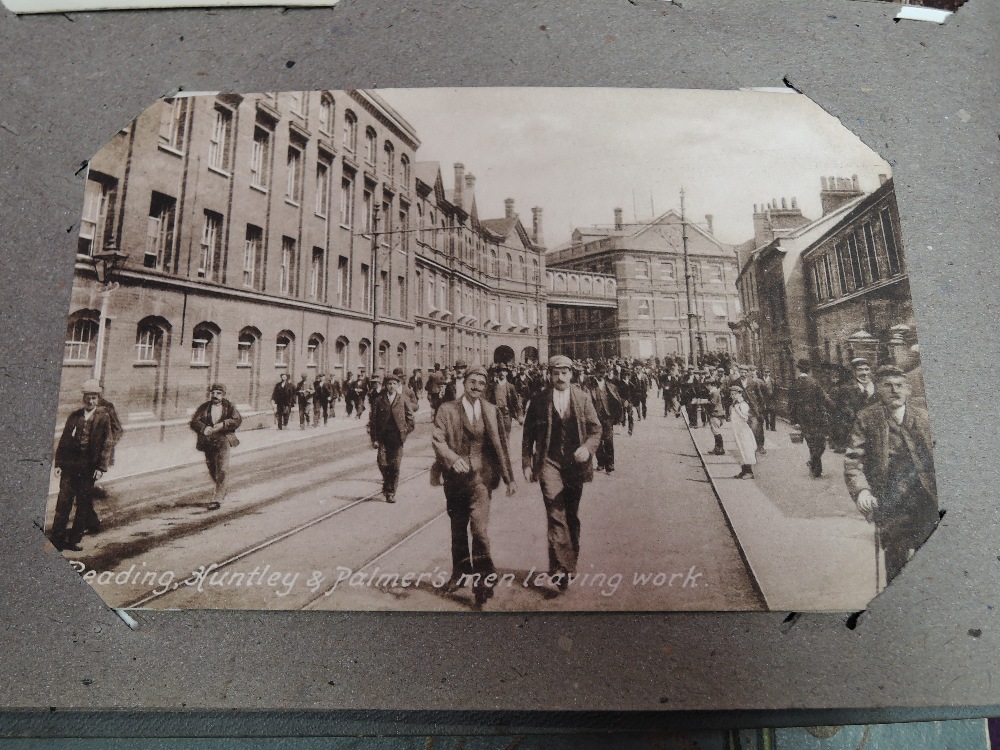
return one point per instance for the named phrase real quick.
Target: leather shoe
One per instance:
(454, 584)
(390, 498)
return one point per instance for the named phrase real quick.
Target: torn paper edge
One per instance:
(917, 13)
(69, 6)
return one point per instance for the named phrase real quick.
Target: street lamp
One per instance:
(107, 264)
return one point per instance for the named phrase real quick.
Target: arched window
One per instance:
(371, 140)
(246, 354)
(363, 348)
(574, 283)
(350, 131)
(81, 337)
(148, 342)
(493, 270)
(203, 339)
(534, 271)
(284, 349)
(314, 350)
(327, 110)
(341, 350)
(389, 168)
(587, 285)
(560, 282)
(508, 267)
(401, 356)
(404, 168)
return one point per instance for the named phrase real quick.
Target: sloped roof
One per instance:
(427, 171)
(500, 227)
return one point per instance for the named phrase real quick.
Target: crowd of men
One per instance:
(569, 410)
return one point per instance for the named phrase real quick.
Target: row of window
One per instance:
(470, 303)
(559, 282)
(862, 258)
(709, 273)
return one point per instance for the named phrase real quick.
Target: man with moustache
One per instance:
(608, 405)
(470, 446)
(389, 424)
(216, 422)
(503, 395)
(848, 400)
(561, 435)
(889, 470)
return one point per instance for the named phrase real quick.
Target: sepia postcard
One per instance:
(503, 349)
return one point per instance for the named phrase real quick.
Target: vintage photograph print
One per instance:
(490, 350)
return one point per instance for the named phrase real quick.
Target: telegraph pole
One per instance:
(692, 316)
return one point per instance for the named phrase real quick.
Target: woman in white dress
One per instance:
(746, 443)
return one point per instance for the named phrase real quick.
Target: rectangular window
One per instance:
(852, 247)
(369, 215)
(641, 269)
(297, 103)
(322, 188)
(243, 353)
(288, 270)
(828, 274)
(218, 145)
(383, 281)
(260, 158)
(316, 274)
(252, 256)
(199, 351)
(401, 295)
(870, 256)
(211, 245)
(366, 286)
(386, 229)
(98, 208)
(892, 249)
(844, 265)
(667, 271)
(715, 273)
(818, 283)
(160, 232)
(293, 189)
(644, 308)
(145, 345)
(173, 124)
(347, 202)
(404, 230)
(343, 287)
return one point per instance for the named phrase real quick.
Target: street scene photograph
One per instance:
(511, 349)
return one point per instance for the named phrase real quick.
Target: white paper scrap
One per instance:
(917, 13)
(68, 6)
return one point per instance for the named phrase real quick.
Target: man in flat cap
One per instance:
(83, 455)
(502, 394)
(848, 400)
(561, 435)
(809, 409)
(608, 405)
(389, 424)
(889, 469)
(470, 447)
(456, 385)
(408, 391)
(216, 422)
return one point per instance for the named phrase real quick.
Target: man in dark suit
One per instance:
(434, 387)
(561, 435)
(769, 392)
(282, 398)
(389, 424)
(753, 394)
(321, 400)
(503, 395)
(304, 392)
(83, 455)
(608, 405)
(848, 400)
(889, 470)
(407, 389)
(455, 387)
(470, 447)
(809, 409)
(216, 422)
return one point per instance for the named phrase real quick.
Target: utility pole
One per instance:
(375, 287)
(692, 316)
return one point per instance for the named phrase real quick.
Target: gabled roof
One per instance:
(429, 173)
(501, 228)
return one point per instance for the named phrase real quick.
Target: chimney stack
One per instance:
(838, 191)
(459, 179)
(470, 182)
(536, 224)
(509, 208)
(618, 219)
(708, 220)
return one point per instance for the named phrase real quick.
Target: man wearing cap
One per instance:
(282, 398)
(456, 386)
(83, 455)
(321, 400)
(768, 392)
(406, 390)
(389, 424)
(809, 409)
(216, 422)
(608, 405)
(503, 395)
(434, 387)
(889, 469)
(848, 400)
(470, 447)
(561, 435)
(753, 394)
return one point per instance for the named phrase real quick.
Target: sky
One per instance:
(581, 153)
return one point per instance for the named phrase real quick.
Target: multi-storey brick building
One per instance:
(283, 233)
(648, 265)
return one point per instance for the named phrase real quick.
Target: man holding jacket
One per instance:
(216, 422)
(389, 424)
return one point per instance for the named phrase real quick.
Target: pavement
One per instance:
(806, 543)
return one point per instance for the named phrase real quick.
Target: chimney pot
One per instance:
(708, 220)
(854, 182)
(795, 202)
(822, 182)
(470, 180)
(783, 204)
(618, 219)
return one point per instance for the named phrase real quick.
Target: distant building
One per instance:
(826, 290)
(647, 262)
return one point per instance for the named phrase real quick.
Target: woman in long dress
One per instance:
(746, 443)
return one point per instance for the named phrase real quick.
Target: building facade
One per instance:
(647, 262)
(284, 233)
(583, 314)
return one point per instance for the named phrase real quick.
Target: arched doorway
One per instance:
(529, 354)
(503, 355)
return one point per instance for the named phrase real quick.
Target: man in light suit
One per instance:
(389, 424)
(470, 446)
(216, 422)
(889, 469)
(561, 436)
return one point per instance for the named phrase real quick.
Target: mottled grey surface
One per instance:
(68, 83)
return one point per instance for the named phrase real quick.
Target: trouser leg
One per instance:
(390, 461)
(68, 480)
(817, 445)
(84, 487)
(458, 505)
(559, 501)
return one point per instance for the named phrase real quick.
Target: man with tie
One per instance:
(889, 469)
(216, 422)
(389, 424)
(848, 400)
(608, 405)
(561, 435)
(470, 447)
